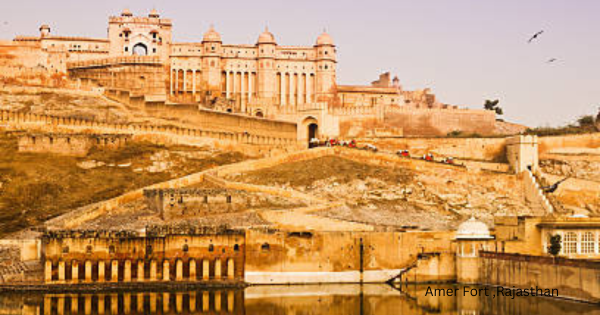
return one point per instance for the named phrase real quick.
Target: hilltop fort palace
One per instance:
(296, 84)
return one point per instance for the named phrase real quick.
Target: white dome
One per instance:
(266, 38)
(212, 35)
(324, 39)
(473, 229)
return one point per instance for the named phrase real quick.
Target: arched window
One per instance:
(185, 248)
(236, 248)
(111, 249)
(140, 49)
(65, 250)
(88, 249)
(265, 247)
(211, 248)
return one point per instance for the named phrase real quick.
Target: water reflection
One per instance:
(297, 300)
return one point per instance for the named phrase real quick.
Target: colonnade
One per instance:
(295, 88)
(139, 271)
(185, 81)
(240, 85)
(142, 303)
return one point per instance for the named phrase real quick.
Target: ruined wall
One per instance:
(161, 254)
(576, 279)
(439, 121)
(70, 144)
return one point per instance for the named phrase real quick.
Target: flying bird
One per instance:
(535, 36)
(552, 188)
(551, 60)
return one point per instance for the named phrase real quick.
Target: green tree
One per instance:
(493, 105)
(555, 245)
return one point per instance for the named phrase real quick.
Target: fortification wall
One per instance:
(574, 279)
(165, 134)
(139, 75)
(70, 144)
(439, 122)
(568, 143)
(214, 120)
(278, 257)
(479, 149)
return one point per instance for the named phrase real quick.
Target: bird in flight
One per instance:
(535, 36)
(551, 60)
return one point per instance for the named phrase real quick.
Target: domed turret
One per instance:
(211, 36)
(154, 14)
(127, 13)
(266, 38)
(324, 39)
(473, 229)
(44, 30)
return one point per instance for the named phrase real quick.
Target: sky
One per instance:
(466, 51)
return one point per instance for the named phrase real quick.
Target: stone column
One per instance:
(194, 82)
(172, 81)
(227, 87)
(166, 270)
(140, 270)
(153, 270)
(184, 81)
(47, 305)
(75, 271)
(218, 274)
(230, 269)
(292, 89)
(205, 269)
(192, 270)
(48, 271)
(127, 271)
(308, 88)
(177, 80)
(88, 271)
(61, 271)
(179, 270)
(242, 103)
(250, 86)
(282, 92)
(300, 89)
(114, 271)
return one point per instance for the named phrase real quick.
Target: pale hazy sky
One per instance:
(465, 50)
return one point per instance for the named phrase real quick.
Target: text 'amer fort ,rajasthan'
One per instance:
(195, 171)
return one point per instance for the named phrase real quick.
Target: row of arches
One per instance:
(129, 271)
(142, 303)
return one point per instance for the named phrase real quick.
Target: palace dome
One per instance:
(212, 36)
(44, 27)
(473, 229)
(126, 12)
(266, 37)
(154, 14)
(324, 39)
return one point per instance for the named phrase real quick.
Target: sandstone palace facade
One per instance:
(290, 83)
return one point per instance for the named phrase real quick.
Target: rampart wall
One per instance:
(70, 144)
(179, 135)
(440, 122)
(569, 143)
(575, 279)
